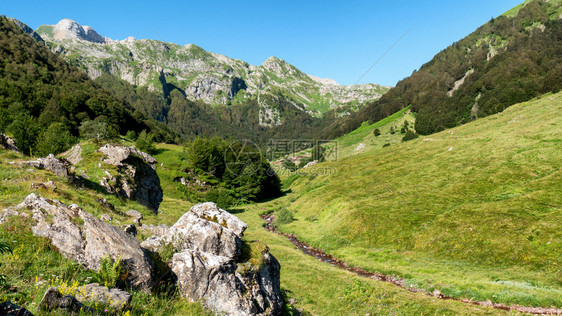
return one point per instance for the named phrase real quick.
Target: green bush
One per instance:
(284, 216)
(223, 197)
(56, 139)
(132, 135)
(409, 136)
(145, 142)
(377, 132)
(97, 129)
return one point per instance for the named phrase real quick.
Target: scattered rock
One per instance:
(130, 229)
(46, 185)
(134, 214)
(137, 179)
(9, 309)
(310, 164)
(106, 218)
(50, 163)
(53, 299)
(73, 155)
(8, 143)
(360, 147)
(87, 243)
(116, 298)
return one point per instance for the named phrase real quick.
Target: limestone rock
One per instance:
(137, 178)
(116, 298)
(69, 29)
(53, 299)
(8, 143)
(207, 245)
(26, 29)
(9, 309)
(50, 163)
(73, 155)
(216, 282)
(87, 243)
(204, 228)
(103, 239)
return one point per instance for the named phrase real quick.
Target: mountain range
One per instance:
(198, 74)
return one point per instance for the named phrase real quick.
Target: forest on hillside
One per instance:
(508, 60)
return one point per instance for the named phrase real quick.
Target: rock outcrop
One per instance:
(73, 155)
(69, 29)
(8, 143)
(88, 243)
(26, 29)
(50, 163)
(210, 267)
(136, 179)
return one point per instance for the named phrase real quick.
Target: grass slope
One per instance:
(474, 211)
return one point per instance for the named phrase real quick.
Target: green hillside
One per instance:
(474, 211)
(511, 59)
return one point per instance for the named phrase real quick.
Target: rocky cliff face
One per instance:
(202, 75)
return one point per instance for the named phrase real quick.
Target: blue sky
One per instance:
(329, 39)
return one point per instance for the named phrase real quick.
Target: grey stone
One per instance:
(54, 299)
(204, 228)
(73, 155)
(50, 163)
(216, 282)
(9, 309)
(116, 298)
(8, 143)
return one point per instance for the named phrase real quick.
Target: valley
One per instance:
(144, 177)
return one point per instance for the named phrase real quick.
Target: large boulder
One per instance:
(88, 243)
(225, 288)
(137, 179)
(210, 267)
(204, 228)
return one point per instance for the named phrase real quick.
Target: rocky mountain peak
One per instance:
(70, 29)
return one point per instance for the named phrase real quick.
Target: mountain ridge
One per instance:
(200, 75)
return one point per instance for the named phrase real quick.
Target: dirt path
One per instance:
(322, 256)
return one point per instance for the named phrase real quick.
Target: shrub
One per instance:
(56, 139)
(392, 130)
(97, 129)
(409, 136)
(132, 135)
(289, 165)
(223, 197)
(386, 145)
(284, 216)
(145, 142)
(376, 132)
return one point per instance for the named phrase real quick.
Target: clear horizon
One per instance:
(324, 39)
